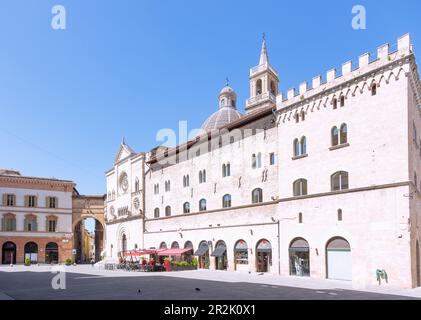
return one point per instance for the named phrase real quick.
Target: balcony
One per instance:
(260, 98)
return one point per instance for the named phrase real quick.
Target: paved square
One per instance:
(85, 282)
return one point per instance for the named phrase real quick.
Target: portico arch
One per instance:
(86, 208)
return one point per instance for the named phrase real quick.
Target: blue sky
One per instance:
(130, 68)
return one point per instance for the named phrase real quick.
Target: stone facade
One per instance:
(324, 182)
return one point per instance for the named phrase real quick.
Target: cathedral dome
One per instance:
(221, 118)
(227, 110)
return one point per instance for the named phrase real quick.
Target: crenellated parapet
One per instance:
(388, 65)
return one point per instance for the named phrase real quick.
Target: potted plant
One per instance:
(27, 262)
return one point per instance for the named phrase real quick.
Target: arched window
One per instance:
(344, 134)
(257, 195)
(374, 89)
(303, 115)
(51, 253)
(204, 176)
(259, 87)
(228, 169)
(342, 101)
(297, 118)
(167, 211)
(303, 146)
(222, 102)
(202, 205)
(300, 188)
(224, 170)
(226, 201)
(338, 259)
(335, 103)
(241, 252)
(296, 148)
(136, 185)
(259, 160)
(175, 245)
(163, 245)
(300, 218)
(200, 177)
(253, 161)
(188, 180)
(299, 257)
(273, 88)
(186, 207)
(339, 181)
(188, 245)
(334, 136)
(184, 181)
(31, 252)
(156, 213)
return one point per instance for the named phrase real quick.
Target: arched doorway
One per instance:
(188, 245)
(123, 243)
(299, 258)
(189, 254)
(202, 254)
(175, 245)
(9, 253)
(31, 252)
(339, 262)
(163, 245)
(241, 256)
(88, 240)
(51, 253)
(220, 254)
(263, 256)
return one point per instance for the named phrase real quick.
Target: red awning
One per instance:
(173, 252)
(140, 253)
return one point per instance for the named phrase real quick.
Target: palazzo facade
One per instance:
(321, 182)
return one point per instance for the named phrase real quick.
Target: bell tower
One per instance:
(264, 83)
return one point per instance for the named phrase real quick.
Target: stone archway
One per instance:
(85, 207)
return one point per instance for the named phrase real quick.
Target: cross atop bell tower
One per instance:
(264, 82)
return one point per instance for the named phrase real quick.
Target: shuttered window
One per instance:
(9, 200)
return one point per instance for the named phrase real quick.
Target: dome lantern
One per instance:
(227, 110)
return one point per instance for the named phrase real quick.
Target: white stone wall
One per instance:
(117, 225)
(238, 154)
(375, 222)
(414, 143)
